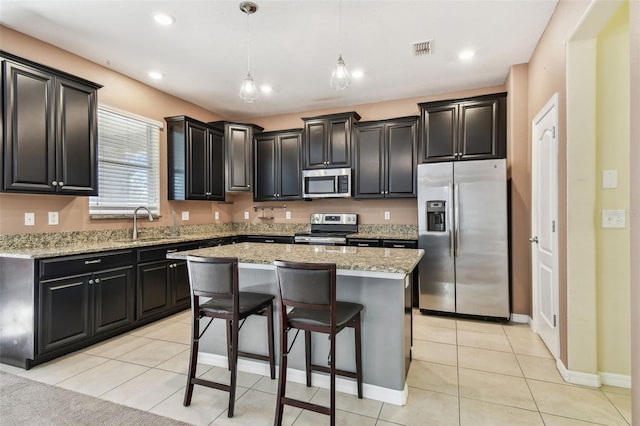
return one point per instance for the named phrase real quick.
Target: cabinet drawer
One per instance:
(363, 242)
(160, 252)
(279, 239)
(408, 244)
(84, 263)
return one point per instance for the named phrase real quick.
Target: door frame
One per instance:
(554, 347)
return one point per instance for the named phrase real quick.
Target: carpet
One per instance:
(27, 402)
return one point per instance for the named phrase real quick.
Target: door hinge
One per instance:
(553, 226)
(554, 320)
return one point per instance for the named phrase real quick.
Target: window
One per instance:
(128, 164)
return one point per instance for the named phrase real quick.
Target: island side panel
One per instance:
(17, 311)
(384, 351)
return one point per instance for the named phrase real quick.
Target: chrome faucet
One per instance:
(135, 220)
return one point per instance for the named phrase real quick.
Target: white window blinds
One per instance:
(128, 164)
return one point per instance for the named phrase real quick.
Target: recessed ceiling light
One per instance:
(265, 88)
(466, 54)
(357, 73)
(163, 19)
(155, 75)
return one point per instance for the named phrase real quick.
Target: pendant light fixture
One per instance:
(248, 90)
(340, 78)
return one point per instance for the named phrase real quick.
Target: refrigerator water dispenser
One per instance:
(436, 216)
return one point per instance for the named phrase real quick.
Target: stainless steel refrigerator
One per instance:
(462, 225)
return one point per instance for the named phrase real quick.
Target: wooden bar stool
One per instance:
(308, 302)
(217, 278)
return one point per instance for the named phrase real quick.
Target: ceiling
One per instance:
(294, 46)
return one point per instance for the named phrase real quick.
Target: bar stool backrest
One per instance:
(307, 285)
(215, 277)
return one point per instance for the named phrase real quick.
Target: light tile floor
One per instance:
(463, 373)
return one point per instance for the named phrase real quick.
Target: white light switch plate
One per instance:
(185, 215)
(387, 215)
(609, 179)
(53, 218)
(216, 215)
(29, 219)
(613, 218)
(246, 215)
(287, 215)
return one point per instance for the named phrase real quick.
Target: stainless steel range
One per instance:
(329, 229)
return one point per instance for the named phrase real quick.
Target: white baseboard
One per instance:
(520, 318)
(618, 380)
(378, 393)
(578, 377)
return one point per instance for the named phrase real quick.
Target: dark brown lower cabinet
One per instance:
(78, 307)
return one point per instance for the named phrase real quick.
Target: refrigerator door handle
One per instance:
(451, 223)
(456, 201)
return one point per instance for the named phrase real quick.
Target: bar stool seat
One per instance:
(307, 296)
(217, 279)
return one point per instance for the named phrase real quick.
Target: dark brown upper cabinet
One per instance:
(327, 140)
(465, 129)
(278, 166)
(239, 151)
(385, 158)
(195, 155)
(50, 132)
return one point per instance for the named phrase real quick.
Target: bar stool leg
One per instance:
(193, 358)
(307, 354)
(282, 379)
(233, 365)
(229, 343)
(358, 337)
(272, 360)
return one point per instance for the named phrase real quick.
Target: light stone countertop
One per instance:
(370, 259)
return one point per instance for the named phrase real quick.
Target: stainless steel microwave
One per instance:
(326, 183)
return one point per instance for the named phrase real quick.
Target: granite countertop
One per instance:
(371, 259)
(383, 236)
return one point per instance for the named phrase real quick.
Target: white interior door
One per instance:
(544, 224)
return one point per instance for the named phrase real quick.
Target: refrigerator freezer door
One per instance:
(437, 267)
(482, 271)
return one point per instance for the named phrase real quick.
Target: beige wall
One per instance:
(547, 76)
(634, 162)
(612, 152)
(519, 162)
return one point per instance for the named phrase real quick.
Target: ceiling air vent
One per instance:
(422, 47)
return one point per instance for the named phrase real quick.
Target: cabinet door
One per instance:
(113, 299)
(64, 312)
(265, 165)
(401, 159)
(439, 133)
(29, 129)
(153, 289)
(290, 173)
(315, 144)
(181, 294)
(370, 165)
(339, 143)
(478, 138)
(198, 163)
(76, 138)
(239, 156)
(216, 168)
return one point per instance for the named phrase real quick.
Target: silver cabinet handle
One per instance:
(97, 280)
(60, 184)
(269, 241)
(92, 262)
(172, 250)
(90, 281)
(54, 183)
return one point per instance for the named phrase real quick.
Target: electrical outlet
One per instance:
(29, 219)
(609, 179)
(613, 218)
(216, 215)
(53, 218)
(387, 215)
(246, 215)
(185, 215)
(287, 215)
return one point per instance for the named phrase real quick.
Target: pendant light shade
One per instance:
(248, 90)
(340, 78)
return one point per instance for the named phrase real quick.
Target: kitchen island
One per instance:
(378, 278)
